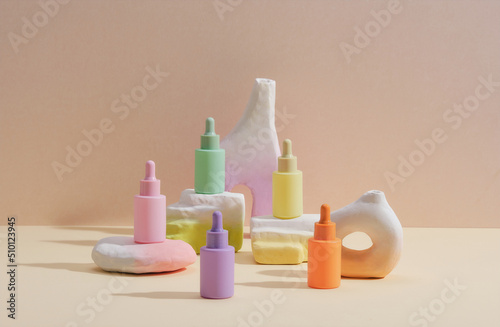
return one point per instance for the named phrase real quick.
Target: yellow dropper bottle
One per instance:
(287, 185)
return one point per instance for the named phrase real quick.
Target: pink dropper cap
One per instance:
(150, 209)
(150, 186)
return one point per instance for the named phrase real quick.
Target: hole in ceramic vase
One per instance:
(357, 241)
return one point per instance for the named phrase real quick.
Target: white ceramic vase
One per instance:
(372, 215)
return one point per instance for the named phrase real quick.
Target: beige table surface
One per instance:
(59, 285)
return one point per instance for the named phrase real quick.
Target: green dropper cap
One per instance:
(210, 140)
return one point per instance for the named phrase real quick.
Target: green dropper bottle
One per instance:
(209, 162)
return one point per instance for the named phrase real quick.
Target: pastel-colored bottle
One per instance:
(324, 253)
(217, 263)
(209, 163)
(150, 209)
(287, 185)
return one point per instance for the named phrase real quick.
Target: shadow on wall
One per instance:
(248, 201)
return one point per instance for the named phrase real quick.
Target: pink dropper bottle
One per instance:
(150, 209)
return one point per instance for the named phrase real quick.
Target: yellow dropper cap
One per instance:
(287, 163)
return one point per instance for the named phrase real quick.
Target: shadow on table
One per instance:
(302, 273)
(275, 284)
(163, 295)
(244, 258)
(391, 278)
(103, 229)
(91, 268)
(74, 242)
(362, 278)
(291, 273)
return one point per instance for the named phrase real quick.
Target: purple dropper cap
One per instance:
(217, 237)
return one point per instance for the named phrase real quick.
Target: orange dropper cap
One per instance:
(325, 229)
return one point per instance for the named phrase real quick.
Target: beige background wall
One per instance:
(351, 117)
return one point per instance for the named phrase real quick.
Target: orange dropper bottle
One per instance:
(324, 253)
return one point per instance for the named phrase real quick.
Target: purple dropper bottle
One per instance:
(217, 263)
